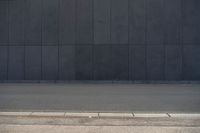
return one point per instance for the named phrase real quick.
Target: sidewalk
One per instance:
(70, 122)
(94, 129)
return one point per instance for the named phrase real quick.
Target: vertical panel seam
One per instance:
(164, 39)
(129, 40)
(58, 37)
(75, 47)
(8, 47)
(112, 75)
(75, 39)
(24, 5)
(181, 41)
(146, 15)
(75, 6)
(93, 67)
(132, 58)
(42, 17)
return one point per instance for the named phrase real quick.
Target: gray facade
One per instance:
(99, 40)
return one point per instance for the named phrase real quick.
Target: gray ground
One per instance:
(100, 97)
(94, 129)
(12, 124)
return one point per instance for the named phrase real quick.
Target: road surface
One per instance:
(100, 97)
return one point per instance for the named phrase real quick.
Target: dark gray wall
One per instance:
(99, 40)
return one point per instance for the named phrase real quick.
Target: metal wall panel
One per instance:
(67, 22)
(155, 27)
(137, 22)
(191, 22)
(67, 63)
(49, 62)
(137, 63)
(16, 22)
(191, 62)
(99, 39)
(119, 22)
(120, 62)
(172, 22)
(84, 20)
(173, 63)
(3, 22)
(33, 63)
(33, 22)
(84, 63)
(155, 63)
(50, 22)
(3, 62)
(102, 63)
(102, 17)
(16, 63)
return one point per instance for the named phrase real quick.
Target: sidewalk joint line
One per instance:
(133, 114)
(65, 114)
(168, 115)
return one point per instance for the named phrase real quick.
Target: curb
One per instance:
(100, 115)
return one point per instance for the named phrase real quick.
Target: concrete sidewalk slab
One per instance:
(15, 113)
(185, 115)
(50, 114)
(88, 115)
(150, 115)
(121, 115)
(108, 121)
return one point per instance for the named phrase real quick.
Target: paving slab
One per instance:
(15, 113)
(51, 114)
(108, 121)
(89, 115)
(185, 115)
(122, 115)
(150, 115)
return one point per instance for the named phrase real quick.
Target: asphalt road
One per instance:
(100, 97)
